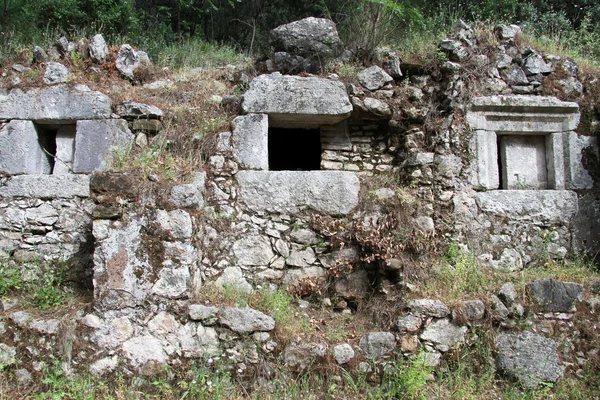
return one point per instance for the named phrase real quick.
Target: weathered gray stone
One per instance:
(133, 110)
(535, 64)
(303, 236)
(471, 310)
(376, 344)
(233, 277)
(104, 365)
(163, 323)
(408, 323)
(7, 354)
(143, 349)
(39, 55)
(23, 376)
(56, 73)
(549, 206)
(302, 356)
(307, 37)
(47, 186)
(189, 195)
(485, 172)
(98, 49)
(455, 49)
(45, 327)
(253, 250)
(198, 341)
(305, 45)
(377, 108)
(250, 141)
(200, 312)
(528, 357)
(97, 142)
(245, 320)
(507, 294)
(177, 224)
(554, 295)
(128, 60)
(429, 307)
(571, 86)
(121, 270)
(505, 32)
(172, 283)
(302, 258)
(444, 334)
(374, 78)
(21, 151)
(499, 310)
(55, 103)
(329, 192)
(514, 75)
(20, 318)
(297, 101)
(343, 353)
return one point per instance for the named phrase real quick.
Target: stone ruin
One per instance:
(516, 180)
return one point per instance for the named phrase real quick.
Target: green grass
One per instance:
(43, 290)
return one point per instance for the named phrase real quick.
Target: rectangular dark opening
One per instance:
(294, 149)
(47, 141)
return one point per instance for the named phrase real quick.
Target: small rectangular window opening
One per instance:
(57, 143)
(294, 149)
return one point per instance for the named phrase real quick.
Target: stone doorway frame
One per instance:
(556, 120)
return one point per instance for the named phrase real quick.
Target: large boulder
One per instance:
(296, 101)
(528, 357)
(303, 46)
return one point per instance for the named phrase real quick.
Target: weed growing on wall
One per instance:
(42, 290)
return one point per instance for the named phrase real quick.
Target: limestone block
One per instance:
(523, 161)
(540, 114)
(528, 357)
(98, 48)
(307, 37)
(555, 159)
(251, 141)
(485, 173)
(55, 103)
(56, 73)
(290, 192)
(549, 206)
(20, 150)
(131, 110)
(374, 78)
(293, 101)
(47, 186)
(97, 142)
(65, 149)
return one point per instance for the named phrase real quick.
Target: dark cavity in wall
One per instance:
(47, 142)
(294, 149)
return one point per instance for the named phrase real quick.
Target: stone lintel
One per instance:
(291, 192)
(47, 186)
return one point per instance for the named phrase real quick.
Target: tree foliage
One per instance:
(241, 22)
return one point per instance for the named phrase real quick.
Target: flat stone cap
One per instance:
(55, 104)
(292, 101)
(541, 104)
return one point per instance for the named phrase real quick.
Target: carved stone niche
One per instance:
(526, 142)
